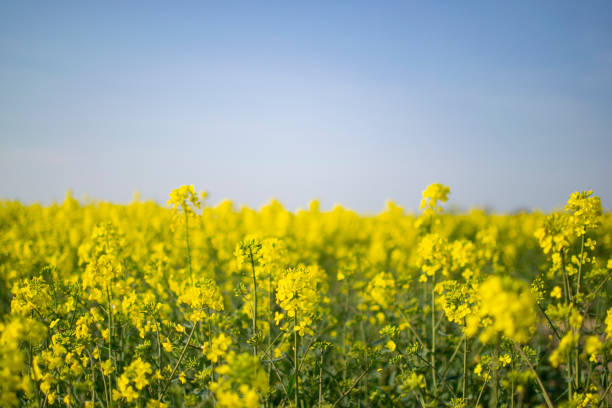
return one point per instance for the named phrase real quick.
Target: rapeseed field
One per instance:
(188, 304)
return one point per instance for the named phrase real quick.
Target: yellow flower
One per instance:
(381, 290)
(135, 374)
(240, 383)
(586, 211)
(167, 345)
(575, 319)
(278, 317)
(592, 347)
(507, 307)
(182, 196)
(479, 373)
(107, 367)
(505, 359)
(413, 381)
(433, 255)
(297, 294)
(156, 404)
(431, 195)
(218, 348)
(201, 296)
(609, 324)
(559, 355)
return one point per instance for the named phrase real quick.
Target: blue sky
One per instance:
(509, 103)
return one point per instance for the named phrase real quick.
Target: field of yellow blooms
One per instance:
(188, 305)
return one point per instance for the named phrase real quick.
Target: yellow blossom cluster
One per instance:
(433, 195)
(217, 348)
(297, 293)
(202, 297)
(133, 379)
(183, 196)
(242, 382)
(13, 377)
(506, 307)
(380, 291)
(585, 209)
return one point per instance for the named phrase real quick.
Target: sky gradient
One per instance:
(508, 103)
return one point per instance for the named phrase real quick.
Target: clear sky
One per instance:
(508, 102)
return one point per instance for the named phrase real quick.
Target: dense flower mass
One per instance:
(585, 209)
(183, 196)
(433, 196)
(297, 294)
(142, 305)
(241, 383)
(505, 307)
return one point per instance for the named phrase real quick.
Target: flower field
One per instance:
(107, 305)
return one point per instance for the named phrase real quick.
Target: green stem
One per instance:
(187, 243)
(159, 356)
(552, 326)
(576, 361)
(278, 374)
(345, 393)
(569, 374)
(577, 351)
(580, 266)
(568, 299)
(568, 293)
(482, 389)
(270, 325)
(321, 380)
(465, 351)
(537, 377)
(433, 334)
(295, 359)
(605, 394)
(254, 303)
(110, 336)
(212, 372)
(106, 392)
(346, 315)
(176, 366)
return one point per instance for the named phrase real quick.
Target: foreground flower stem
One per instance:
(568, 300)
(295, 358)
(159, 356)
(178, 363)
(483, 387)
(270, 325)
(254, 303)
(321, 380)
(495, 376)
(110, 336)
(580, 266)
(578, 284)
(195, 325)
(187, 243)
(355, 383)
(212, 372)
(537, 377)
(433, 334)
(465, 351)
